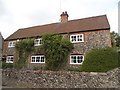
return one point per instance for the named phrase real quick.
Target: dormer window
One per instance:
(77, 38)
(38, 42)
(11, 44)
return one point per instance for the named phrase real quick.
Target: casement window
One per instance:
(11, 44)
(38, 59)
(76, 59)
(9, 59)
(77, 38)
(38, 42)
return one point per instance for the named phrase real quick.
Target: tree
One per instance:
(115, 39)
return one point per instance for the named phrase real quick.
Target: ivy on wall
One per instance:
(24, 47)
(55, 48)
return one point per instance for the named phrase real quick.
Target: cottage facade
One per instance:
(85, 34)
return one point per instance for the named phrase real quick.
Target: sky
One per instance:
(16, 14)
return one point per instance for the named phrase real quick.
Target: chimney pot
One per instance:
(64, 16)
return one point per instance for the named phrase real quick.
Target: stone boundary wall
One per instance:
(59, 79)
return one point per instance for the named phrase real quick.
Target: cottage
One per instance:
(86, 34)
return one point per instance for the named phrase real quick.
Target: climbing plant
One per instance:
(24, 48)
(56, 50)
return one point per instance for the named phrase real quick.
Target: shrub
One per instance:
(100, 60)
(7, 65)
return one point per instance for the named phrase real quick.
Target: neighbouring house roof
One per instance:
(85, 24)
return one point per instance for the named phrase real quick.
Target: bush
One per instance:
(7, 65)
(100, 60)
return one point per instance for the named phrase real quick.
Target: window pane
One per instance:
(80, 59)
(74, 38)
(74, 59)
(81, 36)
(33, 59)
(42, 59)
(11, 59)
(80, 40)
(37, 59)
(14, 43)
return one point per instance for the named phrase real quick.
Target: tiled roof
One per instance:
(85, 24)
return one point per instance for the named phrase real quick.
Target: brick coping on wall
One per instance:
(61, 72)
(56, 72)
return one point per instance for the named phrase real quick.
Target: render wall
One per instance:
(1, 46)
(60, 79)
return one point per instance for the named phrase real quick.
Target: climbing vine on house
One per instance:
(55, 48)
(24, 48)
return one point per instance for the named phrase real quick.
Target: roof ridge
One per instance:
(61, 23)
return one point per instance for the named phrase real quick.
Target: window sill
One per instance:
(38, 45)
(76, 63)
(38, 62)
(78, 42)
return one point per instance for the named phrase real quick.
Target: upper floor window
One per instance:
(77, 38)
(38, 42)
(38, 59)
(11, 44)
(9, 59)
(76, 59)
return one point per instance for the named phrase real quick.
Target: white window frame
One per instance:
(8, 59)
(40, 42)
(76, 35)
(76, 60)
(36, 58)
(11, 44)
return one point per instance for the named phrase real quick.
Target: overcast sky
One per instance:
(15, 14)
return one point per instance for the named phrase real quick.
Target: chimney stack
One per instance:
(64, 16)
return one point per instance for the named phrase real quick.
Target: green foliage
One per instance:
(24, 47)
(7, 65)
(101, 60)
(56, 50)
(115, 39)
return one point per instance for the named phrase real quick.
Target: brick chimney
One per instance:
(64, 17)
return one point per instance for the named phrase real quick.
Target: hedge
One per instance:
(101, 60)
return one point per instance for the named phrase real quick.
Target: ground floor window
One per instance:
(38, 59)
(76, 59)
(9, 59)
